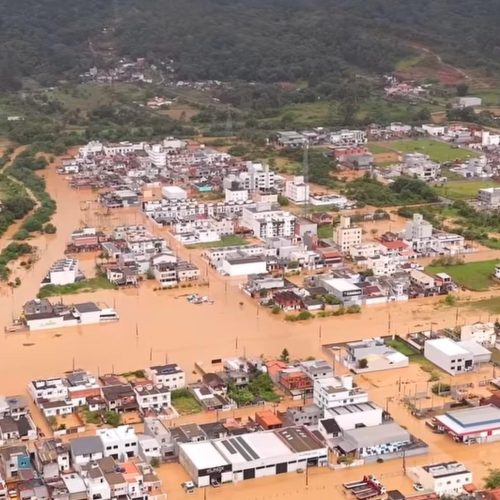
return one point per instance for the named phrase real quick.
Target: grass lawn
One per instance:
(325, 231)
(473, 275)
(402, 347)
(226, 241)
(89, 285)
(184, 402)
(489, 305)
(490, 97)
(463, 189)
(438, 151)
(377, 148)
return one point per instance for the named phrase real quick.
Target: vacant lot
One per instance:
(226, 241)
(438, 151)
(473, 275)
(463, 190)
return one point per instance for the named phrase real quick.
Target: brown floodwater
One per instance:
(158, 326)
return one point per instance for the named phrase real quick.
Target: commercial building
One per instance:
(346, 235)
(297, 190)
(291, 139)
(469, 102)
(447, 478)
(479, 424)
(356, 415)
(344, 290)
(252, 455)
(449, 355)
(237, 265)
(173, 193)
(62, 272)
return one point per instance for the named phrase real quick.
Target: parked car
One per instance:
(188, 486)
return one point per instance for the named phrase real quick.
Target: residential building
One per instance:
(347, 235)
(418, 230)
(420, 165)
(119, 443)
(373, 355)
(85, 449)
(267, 221)
(152, 396)
(337, 391)
(291, 139)
(446, 478)
(482, 333)
(489, 198)
(63, 272)
(469, 102)
(296, 190)
(169, 375)
(52, 457)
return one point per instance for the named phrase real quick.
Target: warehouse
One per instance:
(449, 355)
(348, 293)
(472, 425)
(252, 455)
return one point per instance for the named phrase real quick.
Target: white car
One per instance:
(418, 487)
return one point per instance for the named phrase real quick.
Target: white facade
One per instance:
(434, 130)
(52, 389)
(489, 197)
(235, 195)
(418, 229)
(348, 137)
(243, 266)
(346, 235)
(297, 190)
(152, 396)
(482, 333)
(173, 193)
(169, 375)
(443, 478)
(337, 391)
(120, 443)
(268, 222)
(351, 416)
(62, 272)
(449, 356)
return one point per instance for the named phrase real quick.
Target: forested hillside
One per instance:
(264, 40)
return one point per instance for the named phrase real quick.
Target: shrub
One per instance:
(440, 388)
(363, 363)
(49, 228)
(276, 310)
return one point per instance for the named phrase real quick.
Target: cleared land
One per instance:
(438, 151)
(226, 241)
(463, 190)
(475, 276)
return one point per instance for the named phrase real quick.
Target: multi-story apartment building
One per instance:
(347, 235)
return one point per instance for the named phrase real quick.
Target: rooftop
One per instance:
(445, 469)
(471, 420)
(448, 346)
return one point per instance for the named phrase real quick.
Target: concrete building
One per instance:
(489, 198)
(449, 355)
(343, 290)
(152, 397)
(469, 102)
(417, 230)
(420, 165)
(346, 235)
(62, 272)
(85, 449)
(267, 221)
(173, 193)
(120, 443)
(337, 391)
(253, 455)
(290, 139)
(482, 333)
(448, 478)
(235, 194)
(479, 424)
(377, 355)
(236, 265)
(169, 375)
(297, 190)
(352, 416)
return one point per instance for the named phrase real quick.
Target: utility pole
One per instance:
(305, 172)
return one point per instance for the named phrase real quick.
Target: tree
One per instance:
(283, 200)
(285, 355)
(363, 363)
(492, 480)
(155, 462)
(112, 418)
(462, 89)
(49, 228)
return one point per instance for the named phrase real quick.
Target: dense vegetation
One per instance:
(10, 253)
(263, 40)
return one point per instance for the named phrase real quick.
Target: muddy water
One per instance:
(156, 326)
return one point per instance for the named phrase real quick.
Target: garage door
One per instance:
(249, 474)
(281, 468)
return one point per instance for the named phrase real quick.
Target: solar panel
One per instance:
(228, 447)
(247, 448)
(241, 451)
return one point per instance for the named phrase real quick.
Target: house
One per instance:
(337, 391)
(52, 457)
(288, 300)
(268, 420)
(13, 406)
(120, 443)
(120, 398)
(149, 448)
(446, 478)
(85, 449)
(152, 396)
(170, 375)
(215, 382)
(373, 355)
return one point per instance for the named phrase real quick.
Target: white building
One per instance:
(420, 165)
(489, 139)
(347, 235)
(348, 137)
(449, 355)
(447, 478)
(348, 293)
(169, 375)
(235, 194)
(418, 229)
(51, 389)
(267, 222)
(297, 190)
(152, 396)
(173, 193)
(120, 443)
(62, 272)
(469, 102)
(238, 265)
(157, 154)
(489, 198)
(434, 130)
(253, 455)
(355, 415)
(482, 333)
(332, 392)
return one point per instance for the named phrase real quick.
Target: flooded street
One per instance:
(159, 326)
